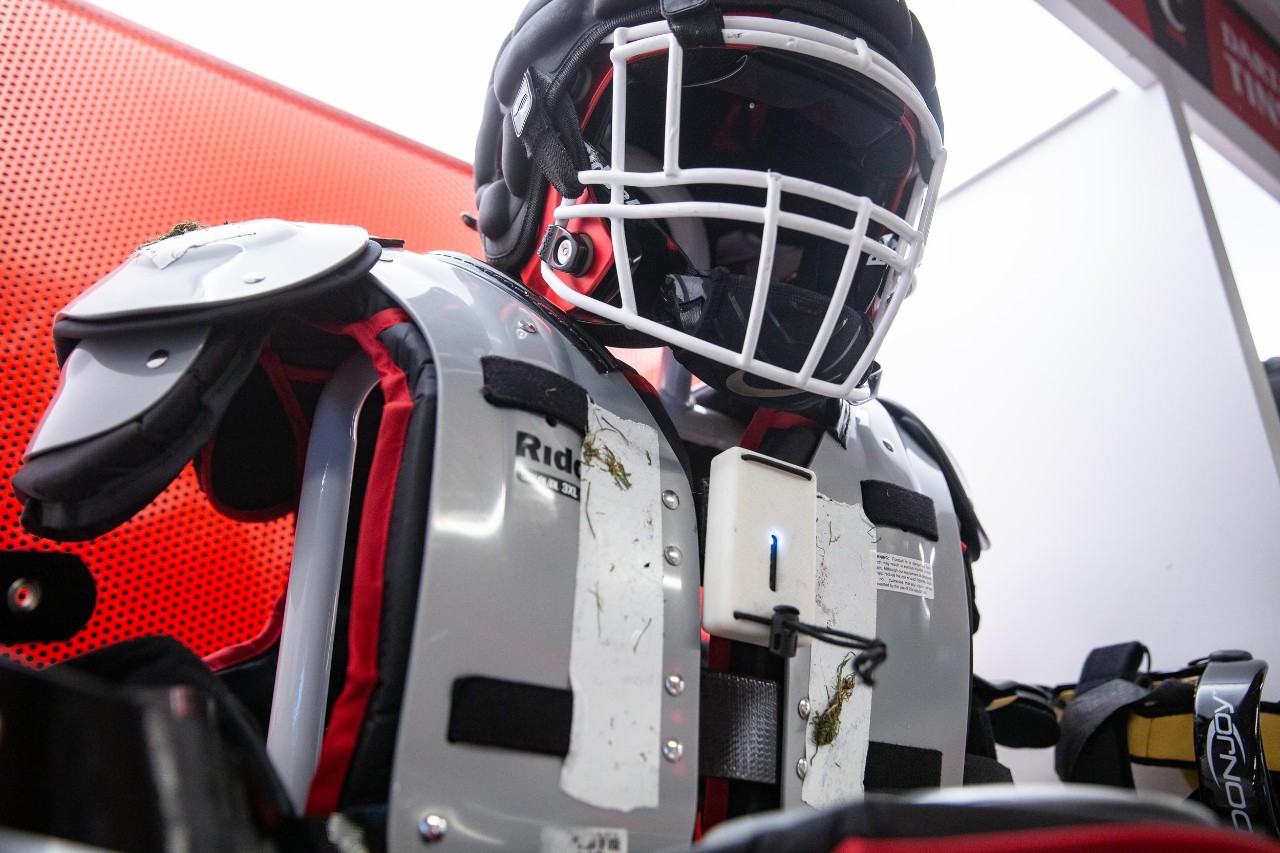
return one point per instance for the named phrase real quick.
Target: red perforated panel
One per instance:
(108, 136)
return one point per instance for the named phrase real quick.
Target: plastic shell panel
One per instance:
(497, 592)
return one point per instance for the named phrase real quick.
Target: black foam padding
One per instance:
(894, 767)
(368, 779)
(521, 385)
(253, 455)
(981, 770)
(738, 727)
(65, 596)
(511, 715)
(896, 506)
(85, 489)
(1026, 724)
(1020, 715)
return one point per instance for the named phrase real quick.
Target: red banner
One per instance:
(1222, 47)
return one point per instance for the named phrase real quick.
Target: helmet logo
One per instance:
(738, 384)
(523, 106)
(1166, 6)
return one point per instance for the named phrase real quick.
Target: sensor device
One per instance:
(761, 543)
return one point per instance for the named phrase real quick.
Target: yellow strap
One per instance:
(1171, 738)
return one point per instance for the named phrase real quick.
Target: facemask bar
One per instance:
(901, 259)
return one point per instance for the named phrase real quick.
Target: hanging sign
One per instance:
(1221, 46)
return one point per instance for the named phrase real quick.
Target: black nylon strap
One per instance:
(694, 23)
(1094, 744)
(521, 385)
(511, 715)
(891, 504)
(550, 135)
(1087, 751)
(1122, 660)
(738, 727)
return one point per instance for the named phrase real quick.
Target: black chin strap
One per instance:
(683, 300)
(695, 23)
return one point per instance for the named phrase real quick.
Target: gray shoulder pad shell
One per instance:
(218, 266)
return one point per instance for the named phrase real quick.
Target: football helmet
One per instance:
(751, 185)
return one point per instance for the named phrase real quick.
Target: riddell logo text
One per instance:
(1226, 755)
(562, 459)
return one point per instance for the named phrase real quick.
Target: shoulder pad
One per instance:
(218, 266)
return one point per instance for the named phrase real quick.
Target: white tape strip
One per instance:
(846, 600)
(615, 664)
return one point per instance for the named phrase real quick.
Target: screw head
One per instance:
(157, 359)
(804, 708)
(432, 828)
(528, 327)
(672, 555)
(254, 277)
(802, 768)
(24, 596)
(564, 250)
(670, 499)
(887, 445)
(674, 684)
(673, 750)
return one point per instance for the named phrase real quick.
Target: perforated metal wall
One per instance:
(109, 135)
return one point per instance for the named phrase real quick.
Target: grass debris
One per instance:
(186, 226)
(599, 455)
(827, 724)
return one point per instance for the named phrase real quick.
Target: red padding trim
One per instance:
(366, 589)
(298, 373)
(240, 652)
(1129, 837)
(278, 376)
(637, 381)
(766, 419)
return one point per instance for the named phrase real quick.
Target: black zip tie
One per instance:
(785, 624)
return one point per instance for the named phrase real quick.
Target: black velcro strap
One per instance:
(521, 385)
(891, 504)
(550, 135)
(511, 715)
(695, 23)
(894, 767)
(738, 727)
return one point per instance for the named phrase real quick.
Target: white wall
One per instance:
(1072, 344)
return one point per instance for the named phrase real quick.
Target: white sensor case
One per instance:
(761, 543)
